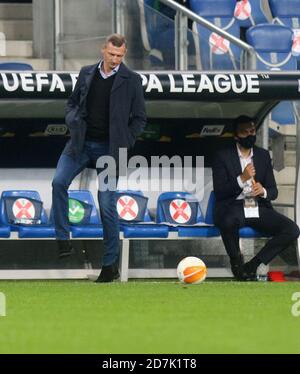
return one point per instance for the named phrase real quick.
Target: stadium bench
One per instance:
(85, 222)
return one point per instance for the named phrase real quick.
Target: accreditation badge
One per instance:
(251, 207)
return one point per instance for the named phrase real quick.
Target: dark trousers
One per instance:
(283, 230)
(67, 169)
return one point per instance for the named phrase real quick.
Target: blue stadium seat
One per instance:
(183, 210)
(287, 13)
(215, 52)
(157, 31)
(23, 209)
(273, 45)
(284, 118)
(286, 8)
(15, 66)
(250, 13)
(89, 226)
(134, 216)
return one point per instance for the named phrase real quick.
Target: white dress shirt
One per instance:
(244, 161)
(103, 74)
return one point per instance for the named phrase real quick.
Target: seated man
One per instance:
(244, 186)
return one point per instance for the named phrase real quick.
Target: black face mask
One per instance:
(247, 142)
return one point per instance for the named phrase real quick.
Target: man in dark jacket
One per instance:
(244, 186)
(105, 112)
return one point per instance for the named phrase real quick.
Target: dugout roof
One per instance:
(215, 97)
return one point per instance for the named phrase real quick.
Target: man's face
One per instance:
(246, 129)
(112, 56)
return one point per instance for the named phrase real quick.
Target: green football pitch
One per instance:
(149, 317)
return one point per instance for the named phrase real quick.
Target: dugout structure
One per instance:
(189, 113)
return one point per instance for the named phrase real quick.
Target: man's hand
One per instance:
(248, 173)
(257, 189)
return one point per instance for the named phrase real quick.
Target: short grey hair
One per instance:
(116, 40)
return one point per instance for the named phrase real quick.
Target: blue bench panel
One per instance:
(4, 231)
(201, 232)
(36, 231)
(145, 231)
(249, 232)
(21, 66)
(87, 231)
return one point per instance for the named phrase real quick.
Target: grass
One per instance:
(149, 317)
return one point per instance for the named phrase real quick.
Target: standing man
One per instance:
(105, 112)
(244, 186)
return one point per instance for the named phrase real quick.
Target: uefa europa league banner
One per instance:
(250, 86)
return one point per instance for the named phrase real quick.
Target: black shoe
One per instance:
(237, 264)
(249, 274)
(65, 248)
(108, 274)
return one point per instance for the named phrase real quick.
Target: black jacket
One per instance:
(127, 110)
(226, 169)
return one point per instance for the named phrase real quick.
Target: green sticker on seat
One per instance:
(76, 211)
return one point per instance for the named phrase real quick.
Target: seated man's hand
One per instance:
(257, 189)
(248, 173)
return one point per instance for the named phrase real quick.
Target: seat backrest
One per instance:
(250, 13)
(215, 51)
(78, 209)
(284, 113)
(286, 8)
(178, 208)
(287, 13)
(15, 66)
(273, 46)
(157, 31)
(132, 206)
(22, 208)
